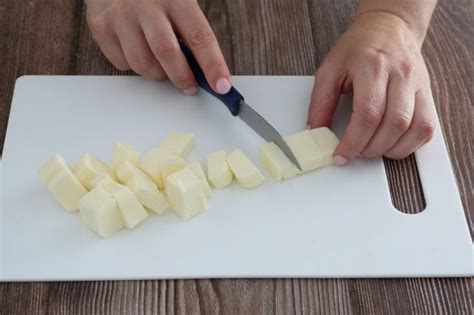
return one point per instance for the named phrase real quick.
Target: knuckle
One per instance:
(139, 64)
(400, 121)
(164, 47)
(407, 68)
(369, 115)
(97, 25)
(426, 129)
(201, 36)
(377, 61)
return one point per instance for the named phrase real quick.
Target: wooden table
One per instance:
(274, 37)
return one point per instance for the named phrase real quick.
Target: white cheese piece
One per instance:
(185, 194)
(100, 212)
(160, 163)
(218, 170)
(305, 150)
(51, 168)
(196, 168)
(276, 162)
(143, 187)
(179, 143)
(246, 173)
(327, 143)
(89, 167)
(101, 180)
(130, 208)
(124, 152)
(67, 189)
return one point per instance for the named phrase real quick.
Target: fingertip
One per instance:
(339, 160)
(223, 86)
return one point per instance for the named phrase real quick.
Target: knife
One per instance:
(238, 107)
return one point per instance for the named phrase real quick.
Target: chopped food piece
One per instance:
(305, 150)
(196, 168)
(89, 167)
(67, 189)
(327, 143)
(218, 170)
(179, 143)
(143, 187)
(130, 208)
(100, 212)
(246, 173)
(51, 168)
(185, 194)
(124, 152)
(276, 162)
(160, 163)
(101, 180)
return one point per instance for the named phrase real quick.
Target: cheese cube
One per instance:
(67, 189)
(197, 170)
(305, 150)
(327, 143)
(89, 167)
(276, 162)
(246, 173)
(160, 163)
(100, 212)
(51, 168)
(218, 171)
(185, 194)
(148, 194)
(127, 170)
(179, 143)
(124, 152)
(101, 180)
(130, 208)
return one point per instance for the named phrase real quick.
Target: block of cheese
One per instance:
(185, 194)
(246, 173)
(160, 163)
(143, 187)
(179, 143)
(67, 189)
(196, 168)
(101, 180)
(99, 211)
(51, 168)
(218, 170)
(276, 163)
(124, 152)
(89, 167)
(327, 143)
(305, 150)
(130, 208)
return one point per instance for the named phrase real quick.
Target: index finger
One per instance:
(368, 108)
(198, 35)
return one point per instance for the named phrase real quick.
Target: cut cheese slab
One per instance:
(218, 170)
(179, 143)
(89, 167)
(197, 170)
(100, 212)
(101, 180)
(326, 141)
(160, 163)
(276, 162)
(185, 194)
(67, 189)
(143, 187)
(51, 168)
(124, 152)
(305, 150)
(246, 173)
(130, 208)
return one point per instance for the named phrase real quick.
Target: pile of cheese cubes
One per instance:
(124, 193)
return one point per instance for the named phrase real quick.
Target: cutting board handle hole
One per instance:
(406, 190)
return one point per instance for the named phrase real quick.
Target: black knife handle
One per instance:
(232, 99)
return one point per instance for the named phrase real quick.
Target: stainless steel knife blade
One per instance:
(265, 130)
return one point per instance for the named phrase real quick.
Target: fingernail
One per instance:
(190, 91)
(308, 126)
(339, 160)
(223, 86)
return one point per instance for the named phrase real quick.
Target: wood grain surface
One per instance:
(260, 37)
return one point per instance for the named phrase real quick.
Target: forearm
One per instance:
(416, 14)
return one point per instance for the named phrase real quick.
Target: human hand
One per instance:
(140, 35)
(379, 59)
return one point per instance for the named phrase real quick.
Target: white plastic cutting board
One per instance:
(335, 222)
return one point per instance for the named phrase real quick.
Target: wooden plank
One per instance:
(257, 37)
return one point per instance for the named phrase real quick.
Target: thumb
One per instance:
(325, 96)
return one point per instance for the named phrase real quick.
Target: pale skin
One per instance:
(378, 58)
